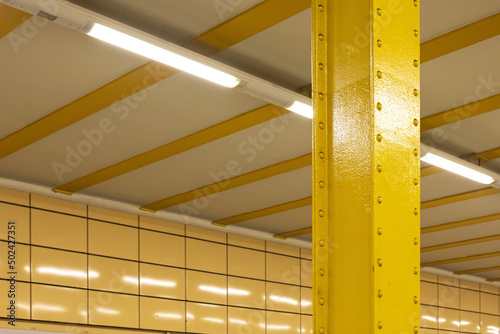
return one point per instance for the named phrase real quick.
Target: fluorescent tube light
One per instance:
(161, 55)
(455, 165)
(301, 109)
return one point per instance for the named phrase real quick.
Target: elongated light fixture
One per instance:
(456, 165)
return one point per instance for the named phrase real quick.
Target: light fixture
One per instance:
(456, 165)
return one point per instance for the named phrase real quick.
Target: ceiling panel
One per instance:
(445, 184)
(282, 222)
(462, 233)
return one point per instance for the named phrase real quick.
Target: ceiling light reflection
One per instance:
(237, 321)
(216, 320)
(283, 300)
(156, 282)
(168, 315)
(107, 311)
(51, 308)
(67, 272)
(213, 289)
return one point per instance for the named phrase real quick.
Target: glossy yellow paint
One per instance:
(461, 38)
(199, 138)
(459, 197)
(238, 181)
(460, 223)
(460, 259)
(461, 113)
(490, 154)
(431, 170)
(11, 18)
(264, 212)
(477, 270)
(461, 243)
(294, 233)
(366, 166)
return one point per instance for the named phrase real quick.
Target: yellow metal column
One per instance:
(366, 166)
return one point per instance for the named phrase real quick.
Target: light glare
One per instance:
(457, 168)
(301, 109)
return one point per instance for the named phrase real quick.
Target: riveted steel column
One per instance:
(366, 166)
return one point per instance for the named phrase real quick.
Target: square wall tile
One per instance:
(448, 319)
(282, 297)
(205, 287)
(306, 253)
(163, 315)
(20, 216)
(114, 216)
(489, 324)
(239, 240)
(275, 247)
(206, 256)
(306, 300)
(447, 280)
(428, 277)
(113, 240)
(428, 293)
(243, 320)
(162, 225)
(489, 288)
(279, 323)
(469, 300)
(161, 248)
(283, 269)
(111, 309)
(22, 261)
(469, 322)
(58, 205)
(428, 316)
(306, 278)
(14, 196)
(59, 267)
(206, 318)
(246, 292)
(113, 275)
(469, 285)
(50, 303)
(489, 303)
(165, 282)
(22, 299)
(205, 234)
(246, 262)
(306, 322)
(448, 296)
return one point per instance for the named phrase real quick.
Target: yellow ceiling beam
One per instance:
(489, 155)
(459, 197)
(460, 259)
(461, 243)
(460, 113)
(11, 18)
(430, 170)
(230, 32)
(460, 223)
(264, 212)
(493, 279)
(230, 183)
(294, 233)
(460, 38)
(189, 142)
(477, 270)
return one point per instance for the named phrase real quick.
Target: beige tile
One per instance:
(283, 269)
(205, 287)
(279, 323)
(306, 322)
(489, 288)
(161, 248)
(59, 267)
(166, 282)
(114, 216)
(205, 255)
(247, 242)
(428, 293)
(162, 225)
(429, 316)
(246, 262)
(453, 281)
(58, 230)
(430, 331)
(449, 319)
(113, 240)
(246, 292)
(19, 215)
(163, 315)
(51, 303)
(282, 297)
(306, 278)
(22, 298)
(306, 300)
(14, 196)
(206, 318)
(448, 296)
(113, 275)
(469, 322)
(21, 261)
(306, 253)
(469, 300)
(279, 248)
(469, 285)
(489, 303)
(428, 277)
(58, 205)
(111, 309)
(205, 234)
(242, 320)
(489, 324)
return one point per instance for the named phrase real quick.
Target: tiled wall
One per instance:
(450, 305)
(83, 269)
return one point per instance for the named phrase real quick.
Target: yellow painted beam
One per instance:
(431, 170)
(231, 32)
(461, 243)
(264, 212)
(477, 270)
(489, 154)
(460, 259)
(461, 38)
(10, 18)
(238, 181)
(461, 113)
(460, 223)
(493, 279)
(459, 197)
(199, 138)
(294, 233)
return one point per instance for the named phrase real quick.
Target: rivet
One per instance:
(379, 106)
(379, 169)
(415, 63)
(379, 74)
(415, 92)
(415, 3)
(321, 213)
(379, 12)
(379, 262)
(415, 270)
(379, 137)
(321, 330)
(415, 330)
(321, 301)
(415, 212)
(379, 199)
(380, 325)
(321, 125)
(321, 155)
(379, 231)
(415, 122)
(379, 43)
(415, 241)
(380, 293)
(415, 181)
(321, 37)
(415, 32)
(322, 242)
(321, 96)
(415, 300)
(415, 152)
(321, 184)
(321, 66)
(321, 8)
(322, 272)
